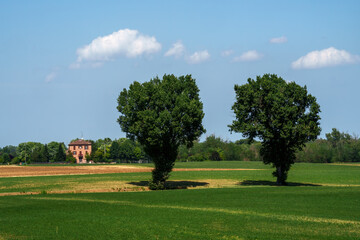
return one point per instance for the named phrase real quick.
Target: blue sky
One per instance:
(64, 63)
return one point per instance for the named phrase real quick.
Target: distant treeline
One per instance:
(103, 150)
(216, 149)
(30, 152)
(118, 150)
(337, 147)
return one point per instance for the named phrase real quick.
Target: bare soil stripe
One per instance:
(346, 164)
(26, 171)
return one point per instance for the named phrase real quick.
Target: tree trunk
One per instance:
(161, 172)
(280, 176)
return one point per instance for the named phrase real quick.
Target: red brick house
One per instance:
(79, 149)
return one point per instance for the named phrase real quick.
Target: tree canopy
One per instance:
(60, 154)
(281, 114)
(162, 114)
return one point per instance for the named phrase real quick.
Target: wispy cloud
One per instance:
(50, 77)
(227, 53)
(87, 64)
(198, 57)
(125, 42)
(282, 39)
(177, 50)
(325, 58)
(248, 56)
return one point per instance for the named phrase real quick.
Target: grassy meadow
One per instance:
(322, 201)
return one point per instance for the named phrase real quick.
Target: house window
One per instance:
(74, 153)
(86, 152)
(80, 147)
(86, 147)
(74, 147)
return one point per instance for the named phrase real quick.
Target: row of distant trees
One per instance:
(216, 149)
(103, 150)
(30, 152)
(118, 150)
(337, 147)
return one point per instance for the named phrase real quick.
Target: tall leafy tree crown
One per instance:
(281, 114)
(162, 115)
(162, 110)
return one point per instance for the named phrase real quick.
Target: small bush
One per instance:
(198, 157)
(156, 186)
(15, 160)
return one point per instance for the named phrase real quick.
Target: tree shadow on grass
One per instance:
(270, 183)
(173, 184)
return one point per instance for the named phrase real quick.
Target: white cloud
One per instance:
(50, 77)
(282, 39)
(126, 42)
(198, 57)
(176, 50)
(227, 53)
(248, 56)
(78, 65)
(325, 58)
(75, 65)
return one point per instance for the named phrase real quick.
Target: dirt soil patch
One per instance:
(346, 164)
(23, 171)
(125, 186)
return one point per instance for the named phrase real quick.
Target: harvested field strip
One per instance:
(337, 185)
(24, 171)
(355, 224)
(346, 164)
(73, 186)
(121, 186)
(137, 189)
(78, 191)
(17, 171)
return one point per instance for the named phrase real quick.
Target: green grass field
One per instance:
(322, 202)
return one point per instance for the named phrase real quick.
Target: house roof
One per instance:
(80, 142)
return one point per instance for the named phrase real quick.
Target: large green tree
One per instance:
(114, 150)
(28, 151)
(53, 148)
(60, 154)
(161, 114)
(130, 151)
(11, 150)
(44, 154)
(5, 158)
(281, 114)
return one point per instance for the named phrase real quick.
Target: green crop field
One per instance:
(322, 201)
